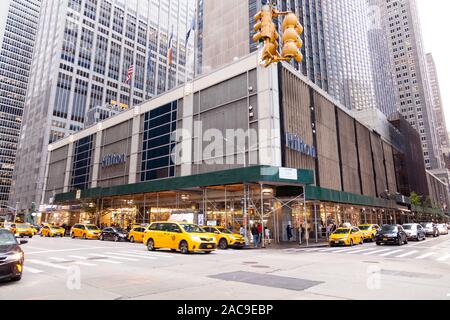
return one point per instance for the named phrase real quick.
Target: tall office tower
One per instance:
(438, 108)
(403, 30)
(382, 61)
(84, 53)
(18, 26)
(336, 47)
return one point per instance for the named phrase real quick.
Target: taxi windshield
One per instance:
(192, 228)
(7, 238)
(55, 228)
(363, 228)
(22, 226)
(91, 228)
(342, 231)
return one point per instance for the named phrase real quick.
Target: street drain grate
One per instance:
(267, 280)
(410, 274)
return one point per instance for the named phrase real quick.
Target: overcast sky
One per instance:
(434, 15)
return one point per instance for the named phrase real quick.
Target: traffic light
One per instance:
(292, 43)
(266, 32)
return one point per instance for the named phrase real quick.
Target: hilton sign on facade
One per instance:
(295, 143)
(113, 160)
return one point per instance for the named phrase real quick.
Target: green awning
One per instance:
(257, 174)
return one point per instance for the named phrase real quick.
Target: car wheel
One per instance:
(400, 241)
(362, 241)
(30, 237)
(101, 238)
(41, 235)
(184, 249)
(378, 243)
(151, 245)
(223, 244)
(132, 239)
(15, 279)
(351, 243)
(208, 252)
(116, 239)
(72, 236)
(84, 236)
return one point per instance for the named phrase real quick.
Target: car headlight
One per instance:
(14, 257)
(196, 238)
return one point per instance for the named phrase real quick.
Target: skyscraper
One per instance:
(85, 50)
(403, 31)
(337, 47)
(18, 26)
(438, 108)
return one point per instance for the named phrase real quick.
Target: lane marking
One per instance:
(444, 258)
(59, 259)
(391, 253)
(47, 264)
(426, 255)
(130, 255)
(376, 251)
(32, 270)
(107, 257)
(78, 257)
(85, 264)
(407, 254)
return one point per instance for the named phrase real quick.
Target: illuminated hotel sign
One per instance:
(113, 160)
(295, 143)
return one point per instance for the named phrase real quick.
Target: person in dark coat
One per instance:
(289, 232)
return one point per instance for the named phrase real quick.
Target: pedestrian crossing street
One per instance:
(382, 252)
(37, 265)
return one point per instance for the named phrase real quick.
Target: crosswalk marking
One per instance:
(391, 253)
(59, 259)
(155, 254)
(32, 270)
(78, 257)
(131, 255)
(327, 250)
(343, 250)
(118, 258)
(407, 254)
(360, 251)
(374, 252)
(426, 255)
(86, 264)
(47, 264)
(444, 258)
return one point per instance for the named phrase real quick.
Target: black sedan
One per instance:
(113, 234)
(391, 234)
(11, 256)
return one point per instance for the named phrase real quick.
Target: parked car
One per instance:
(414, 231)
(11, 256)
(185, 237)
(391, 234)
(346, 237)
(369, 231)
(430, 229)
(442, 228)
(52, 231)
(85, 231)
(136, 234)
(225, 238)
(113, 234)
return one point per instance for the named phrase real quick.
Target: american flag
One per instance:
(130, 73)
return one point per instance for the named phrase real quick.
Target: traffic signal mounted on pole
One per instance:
(266, 32)
(292, 43)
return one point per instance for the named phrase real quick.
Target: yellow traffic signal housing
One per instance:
(266, 32)
(292, 43)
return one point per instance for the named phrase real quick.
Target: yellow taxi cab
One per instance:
(181, 236)
(369, 231)
(225, 238)
(348, 236)
(136, 234)
(85, 231)
(53, 231)
(24, 230)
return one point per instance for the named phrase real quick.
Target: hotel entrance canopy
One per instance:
(266, 175)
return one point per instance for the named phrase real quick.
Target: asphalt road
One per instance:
(87, 269)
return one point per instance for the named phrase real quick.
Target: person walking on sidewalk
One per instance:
(260, 235)
(255, 236)
(289, 232)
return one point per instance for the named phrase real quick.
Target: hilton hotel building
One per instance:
(308, 161)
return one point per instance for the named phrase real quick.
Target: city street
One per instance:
(81, 269)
